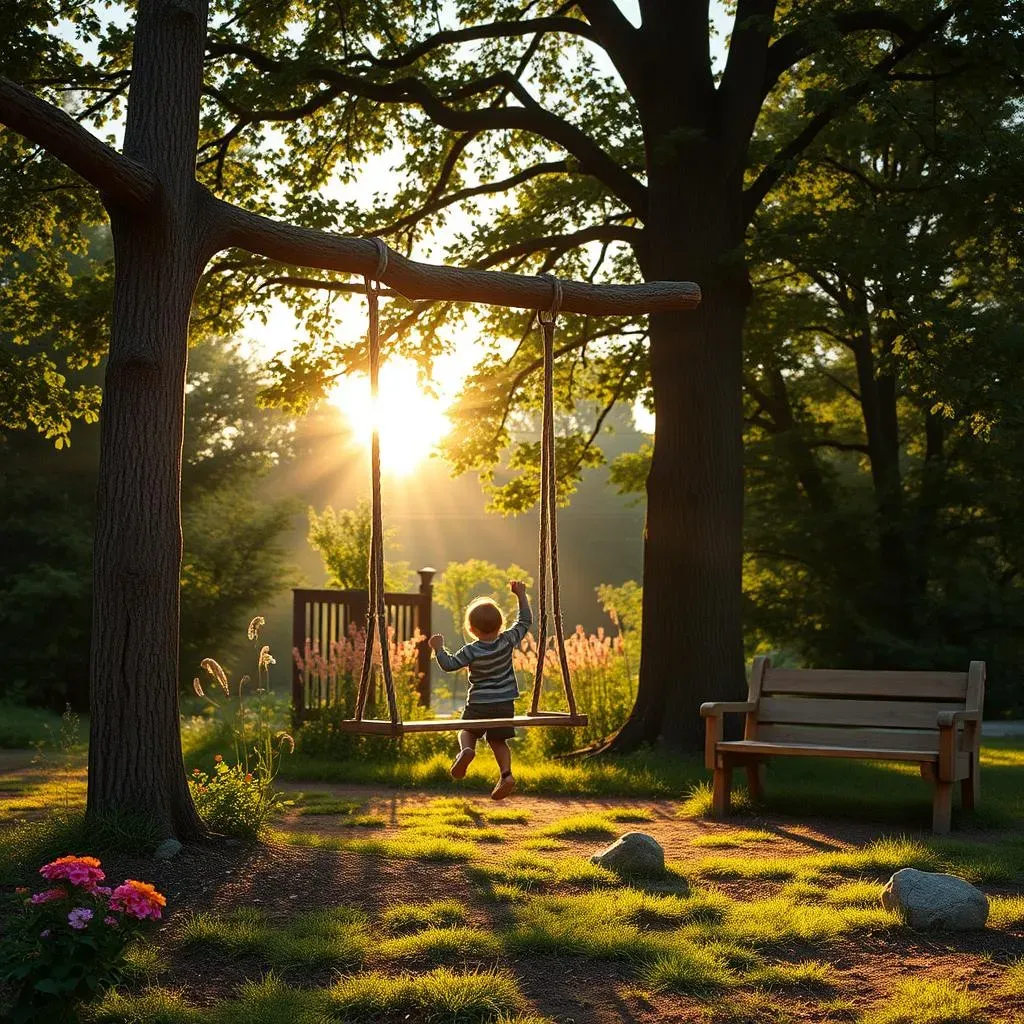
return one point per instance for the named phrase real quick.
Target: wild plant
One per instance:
(239, 799)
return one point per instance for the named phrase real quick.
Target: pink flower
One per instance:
(110, 920)
(79, 918)
(84, 871)
(48, 896)
(138, 899)
(101, 890)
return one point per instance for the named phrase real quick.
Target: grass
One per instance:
(1013, 983)
(928, 1002)
(412, 917)
(1006, 912)
(403, 847)
(440, 995)
(735, 838)
(689, 970)
(527, 872)
(323, 938)
(448, 945)
(582, 826)
(22, 726)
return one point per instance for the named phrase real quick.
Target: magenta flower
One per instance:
(110, 920)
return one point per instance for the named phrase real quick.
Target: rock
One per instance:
(635, 853)
(928, 900)
(168, 849)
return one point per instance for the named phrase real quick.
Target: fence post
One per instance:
(426, 628)
(299, 605)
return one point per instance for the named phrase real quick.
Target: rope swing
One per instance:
(376, 616)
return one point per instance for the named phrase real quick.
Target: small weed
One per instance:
(630, 814)
(506, 817)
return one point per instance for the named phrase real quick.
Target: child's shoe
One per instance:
(504, 787)
(461, 763)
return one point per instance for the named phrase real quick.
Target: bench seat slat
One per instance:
(848, 736)
(885, 713)
(935, 686)
(758, 747)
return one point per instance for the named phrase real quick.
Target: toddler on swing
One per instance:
(492, 681)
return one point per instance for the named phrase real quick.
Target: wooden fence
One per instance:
(324, 617)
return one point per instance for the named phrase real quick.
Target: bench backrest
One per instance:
(861, 709)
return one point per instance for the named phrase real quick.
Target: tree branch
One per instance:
(530, 117)
(618, 38)
(441, 202)
(593, 233)
(492, 30)
(125, 182)
(845, 99)
(295, 246)
(796, 46)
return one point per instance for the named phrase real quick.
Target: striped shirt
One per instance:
(491, 677)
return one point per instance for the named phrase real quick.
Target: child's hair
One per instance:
(484, 616)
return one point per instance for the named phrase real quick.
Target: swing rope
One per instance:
(548, 553)
(376, 613)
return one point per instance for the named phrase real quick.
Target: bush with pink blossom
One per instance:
(69, 941)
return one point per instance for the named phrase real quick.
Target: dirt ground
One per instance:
(284, 880)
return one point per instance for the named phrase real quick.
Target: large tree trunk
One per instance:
(135, 760)
(692, 642)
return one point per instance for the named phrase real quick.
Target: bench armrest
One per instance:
(714, 708)
(947, 719)
(712, 712)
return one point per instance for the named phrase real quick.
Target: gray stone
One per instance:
(928, 900)
(168, 849)
(635, 853)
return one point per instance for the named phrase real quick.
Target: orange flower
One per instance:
(217, 758)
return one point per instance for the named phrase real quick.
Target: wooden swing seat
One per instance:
(382, 727)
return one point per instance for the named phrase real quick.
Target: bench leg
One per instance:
(755, 781)
(720, 790)
(942, 807)
(970, 788)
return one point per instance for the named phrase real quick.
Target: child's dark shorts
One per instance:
(499, 709)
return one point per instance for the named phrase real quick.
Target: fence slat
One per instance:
(325, 617)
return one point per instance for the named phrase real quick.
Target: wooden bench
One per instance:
(932, 718)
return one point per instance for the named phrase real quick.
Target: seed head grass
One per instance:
(919, 1001)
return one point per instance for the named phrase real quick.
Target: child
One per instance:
(492, 682)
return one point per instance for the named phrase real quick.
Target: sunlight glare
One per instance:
(411, 421)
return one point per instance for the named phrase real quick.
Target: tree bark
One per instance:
(692, 636)
(135, 758)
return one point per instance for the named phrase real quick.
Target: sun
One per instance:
(411, 421)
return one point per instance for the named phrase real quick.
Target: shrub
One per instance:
(69, 941)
